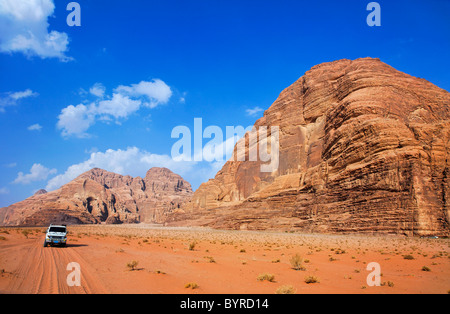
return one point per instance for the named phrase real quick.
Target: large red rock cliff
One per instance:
(363, 148)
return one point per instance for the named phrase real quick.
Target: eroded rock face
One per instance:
(101, 196)
(363, 148)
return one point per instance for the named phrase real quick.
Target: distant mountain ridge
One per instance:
(100, 196)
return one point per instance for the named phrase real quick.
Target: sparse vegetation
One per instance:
(192, 245)
(266, 276)
(332, 259)
(311, 279)
(286, 290)
(191, 285)
(159, 272)
(132, 265)
(297, 262)
(210, 259)
(26, 232)
(246, 256)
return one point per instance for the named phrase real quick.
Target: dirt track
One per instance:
(43, 270)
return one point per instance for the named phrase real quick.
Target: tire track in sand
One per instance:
(43, 271)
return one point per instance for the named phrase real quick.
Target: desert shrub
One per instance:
(297, 262)
(332, 259)
(408, 256)
(311, 279)
(210, 259)
(192, 246)
(266, 276)
(26, 233)
(132, 265)
(286, 290)
(425, 268)
(191, 285)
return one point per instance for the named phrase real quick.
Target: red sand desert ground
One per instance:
(214, 261)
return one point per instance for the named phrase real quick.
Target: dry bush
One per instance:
(311, 279)
(191, 285)
(297, 262)
(192, 246)
(210, 259)
(132, 265)
(266, 276)
(286, 290)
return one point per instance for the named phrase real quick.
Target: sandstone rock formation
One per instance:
(100, 196)
(41, 191)
(363, 148)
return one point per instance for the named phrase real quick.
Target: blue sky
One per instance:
(109, 93)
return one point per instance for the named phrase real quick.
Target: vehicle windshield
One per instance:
(57, 229)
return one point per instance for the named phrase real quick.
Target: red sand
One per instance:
(222, 262)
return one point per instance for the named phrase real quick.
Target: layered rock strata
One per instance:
(362, 148)
(99, 196)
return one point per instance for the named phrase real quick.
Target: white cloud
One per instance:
(19, 95)
(4, 191)
(156, 92)
(98, 90)
(24, 28)
(12, 98)
(119, 106)
(254, 111)
(76, 120)
(126, 100)
(182, 98)
(37, 173)
(10, 165)
(35, 127)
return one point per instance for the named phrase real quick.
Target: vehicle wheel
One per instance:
(45, 243)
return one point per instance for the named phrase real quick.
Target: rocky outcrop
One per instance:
(99, 196)
(362, 148)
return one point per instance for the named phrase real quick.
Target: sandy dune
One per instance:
(220, 261)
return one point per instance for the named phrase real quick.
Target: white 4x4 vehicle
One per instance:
(56, 234)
